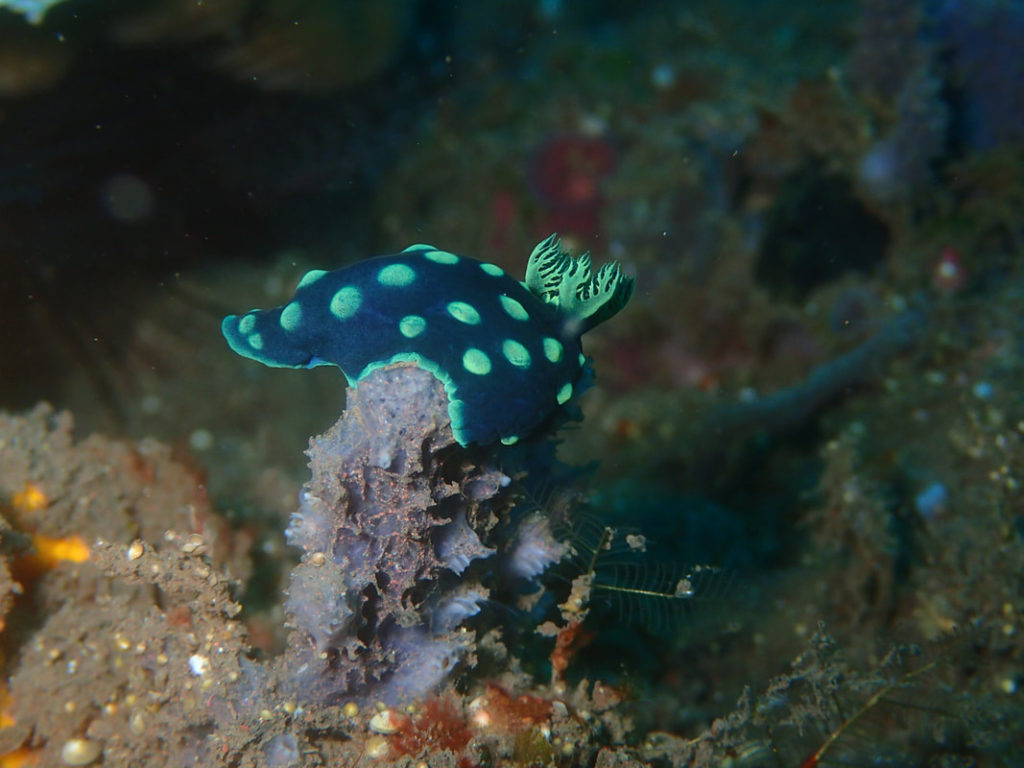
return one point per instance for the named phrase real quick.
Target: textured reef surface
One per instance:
(769, 516)
(159, 670)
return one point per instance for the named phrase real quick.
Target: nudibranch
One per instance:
(507, 352)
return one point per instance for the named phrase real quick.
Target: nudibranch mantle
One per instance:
(507, 352)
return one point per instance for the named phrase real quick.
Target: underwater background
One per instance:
(789, 505)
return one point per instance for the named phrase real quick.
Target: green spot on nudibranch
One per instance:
(396, 275)
(311, 277)
(515, 353)
(464, 312)
(552, 349)
(583, 359)
(291, 317)
(255, 341)
(476, 361)
(513, 308)
(247, 324)
(346, 302)
(492, 269)
(564, 394)
(441, 257)
(510, 440)
(412, 326)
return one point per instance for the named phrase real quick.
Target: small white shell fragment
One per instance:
(80, 751)
(480, 718)
(194, 545)
(198, 664)
(383, 722)
(137, 724)
(376, 747)
(135, 550)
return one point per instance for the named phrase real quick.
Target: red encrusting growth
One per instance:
(505, 712)
(569, 640)
(440, 726)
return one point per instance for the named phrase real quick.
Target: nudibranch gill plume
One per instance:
(507, 352)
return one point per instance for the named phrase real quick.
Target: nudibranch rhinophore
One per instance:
(507, 352)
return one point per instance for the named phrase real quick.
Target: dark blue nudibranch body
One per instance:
(507, 352)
